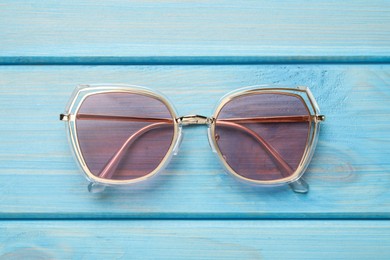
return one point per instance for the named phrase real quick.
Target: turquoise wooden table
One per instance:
(194, 52)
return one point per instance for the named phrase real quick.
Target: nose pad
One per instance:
(211, 143)
(176, 148)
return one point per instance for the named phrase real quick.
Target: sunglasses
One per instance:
(123, 134)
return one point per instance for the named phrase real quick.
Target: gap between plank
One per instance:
(190, 60)
(200, 217)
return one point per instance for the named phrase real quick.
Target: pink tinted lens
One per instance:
(123, 136)
(263, 136)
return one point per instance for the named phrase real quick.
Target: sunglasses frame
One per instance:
(84, 91)
(301, 92)
(76, 100)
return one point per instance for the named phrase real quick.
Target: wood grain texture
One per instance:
(194, 210)
(195, 240)
(349, 174)
(190, 31)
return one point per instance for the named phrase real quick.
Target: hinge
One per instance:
(319, 118)
(64, 117)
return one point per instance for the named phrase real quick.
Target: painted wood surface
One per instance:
(349, 174)
(195, 240)
(194, 210)
(191, 31)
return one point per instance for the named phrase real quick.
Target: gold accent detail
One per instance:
(122, 118)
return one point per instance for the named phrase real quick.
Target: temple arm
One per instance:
(268, 119)
(299, 186)
(110, 167)
(122, 118)
(273, 119)
(268, 148)
(113, 163)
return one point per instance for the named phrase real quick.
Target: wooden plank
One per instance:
(219, 32)
(349, 174)
(195, 239)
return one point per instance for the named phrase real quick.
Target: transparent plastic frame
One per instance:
(98, 184)
(304, 93)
